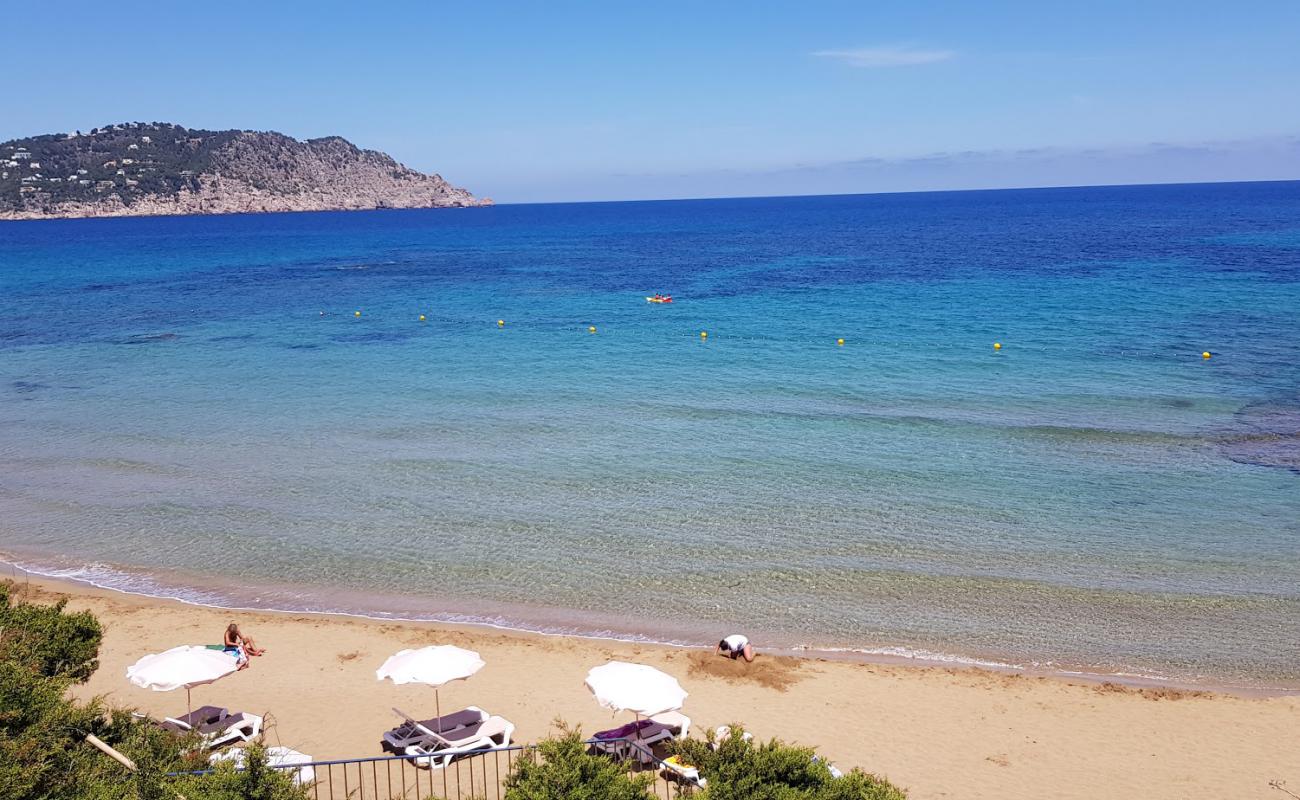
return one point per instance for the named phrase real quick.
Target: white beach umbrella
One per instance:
(185, 666)
(643, 690)
(434, 666)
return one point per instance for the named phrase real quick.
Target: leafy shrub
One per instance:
(48, 640)
(36, 752)
(258, 781)
(738, 769)
(566, 771)
(43, 651)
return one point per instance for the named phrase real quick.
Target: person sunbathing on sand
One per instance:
(735, 646)
(242, 646)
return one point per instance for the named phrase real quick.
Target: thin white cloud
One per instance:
(886, 56)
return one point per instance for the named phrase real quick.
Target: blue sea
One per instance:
(193, 407)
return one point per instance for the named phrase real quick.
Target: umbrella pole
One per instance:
(438, 704)
(189, 706)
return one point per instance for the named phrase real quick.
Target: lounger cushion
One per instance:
(447, 722)
(624, 731)
(203, 716)
(412, 731)
(453, 738)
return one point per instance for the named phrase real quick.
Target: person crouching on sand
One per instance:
(735, 646)
(240, 645)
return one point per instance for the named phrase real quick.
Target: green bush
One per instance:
(43, 651)
(258, 781)
(38, 758)
(48, 640)
(566, 771)
(774, 770)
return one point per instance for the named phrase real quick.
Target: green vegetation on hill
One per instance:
(132, 160)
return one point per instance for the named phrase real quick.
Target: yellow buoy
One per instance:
(997, 345)
(422, 318)
(501, 323)
(839, 341)
(704, 334)
(356, 313)
(591, 329)
(1206, 354)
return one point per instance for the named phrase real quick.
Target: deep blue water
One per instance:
(191, 406)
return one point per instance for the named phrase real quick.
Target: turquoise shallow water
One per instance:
(178, 416)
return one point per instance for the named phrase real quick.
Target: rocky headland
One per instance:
(142, 169)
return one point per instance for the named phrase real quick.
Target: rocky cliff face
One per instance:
(146, 169)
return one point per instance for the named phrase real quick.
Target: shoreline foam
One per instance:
(100, 576)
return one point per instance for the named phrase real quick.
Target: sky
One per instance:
(567, 101)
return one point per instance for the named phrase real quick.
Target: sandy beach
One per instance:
(939, 732)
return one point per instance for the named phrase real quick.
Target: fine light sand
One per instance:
(937, 732)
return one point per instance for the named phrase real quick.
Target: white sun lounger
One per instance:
(409, 732)
(679, 770)
(276, 757)
(204, 715)
(675, 719)
(634, 740)
(438, 750)
(226, 730)
(724, 732)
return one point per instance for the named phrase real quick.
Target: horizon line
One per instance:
(1045, 187)
(968, 190)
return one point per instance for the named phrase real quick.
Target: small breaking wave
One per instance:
(110, 578)
(103, 576)
(920, 655)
